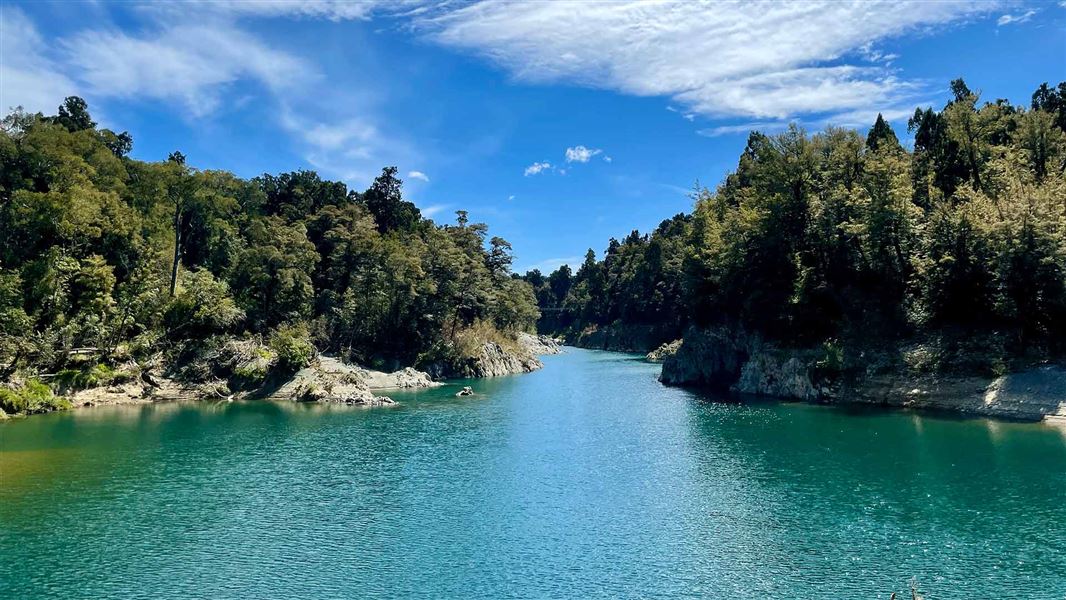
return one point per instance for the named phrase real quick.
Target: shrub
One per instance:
(90, 377)
(293, 347)
(33, 397)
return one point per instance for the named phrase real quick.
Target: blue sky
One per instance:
(561, 124)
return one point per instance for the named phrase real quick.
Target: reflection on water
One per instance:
(585, 479)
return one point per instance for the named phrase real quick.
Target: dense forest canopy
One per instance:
(839, 236)
(120, 257)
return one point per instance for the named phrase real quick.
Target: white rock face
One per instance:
(539, 344)
(330, 380)
(406, 378)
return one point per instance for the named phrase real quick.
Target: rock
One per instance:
(662, 352)
(765, 374)
(407, 378)
(712, 358)
(331, 381)
(728, 360)
(539, 344)
(466, 391)
(492, 360)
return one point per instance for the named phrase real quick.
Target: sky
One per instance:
(560, 124)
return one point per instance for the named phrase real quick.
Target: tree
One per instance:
(181, 190)
(74, 115)
(385, 201)
(881, 136)
(500, 257)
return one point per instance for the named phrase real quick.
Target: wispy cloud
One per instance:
(763, 126)
(537, 168)
(1009, 19)
(30, 78)
(432, 210)
(418, 175)
(550, 264)
(511, 197)
(581, 154)
(859, 118)
(663, 49)
(190, 63)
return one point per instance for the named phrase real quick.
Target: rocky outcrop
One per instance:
(769, 373)
(404, 379)
(620, 337)
(490, 360)
(708, 358)
(1034, 394)
(329, 380)
(662, 352)
(730, 361)
(538, 345)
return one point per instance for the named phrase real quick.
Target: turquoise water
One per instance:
(585, 479)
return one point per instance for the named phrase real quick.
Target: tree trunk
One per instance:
(177, 248)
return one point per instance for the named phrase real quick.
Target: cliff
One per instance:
(733, 361)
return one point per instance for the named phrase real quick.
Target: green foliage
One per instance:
(835, 237)
(89, 377)
(201, 307)
(293, 347)
(32, 397)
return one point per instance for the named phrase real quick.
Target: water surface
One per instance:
(585, 479)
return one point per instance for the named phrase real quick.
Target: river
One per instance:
(585, 479)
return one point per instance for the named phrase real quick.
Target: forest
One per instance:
(846, 240)
(833, 240)
(106, 260)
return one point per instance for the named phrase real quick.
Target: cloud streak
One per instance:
(718, 59)
(30, 79)
(190, 63)
(1009, 19)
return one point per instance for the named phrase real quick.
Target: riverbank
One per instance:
(235, 369)
(744, 364)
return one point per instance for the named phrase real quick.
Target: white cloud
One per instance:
(334, 10)
(1009, 19)
(857, 118)
(190, 63)
(548, 265)
(581, 154)
(351, 149)
(418, 175)
(607, 159)
(28, 78)
(537, 167)
(511, 197)
(433, 209)
(756, 60)
(763, 126)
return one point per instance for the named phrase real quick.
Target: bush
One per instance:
(33, 397)
(293, 347)
(94, 376)
(203, 306)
